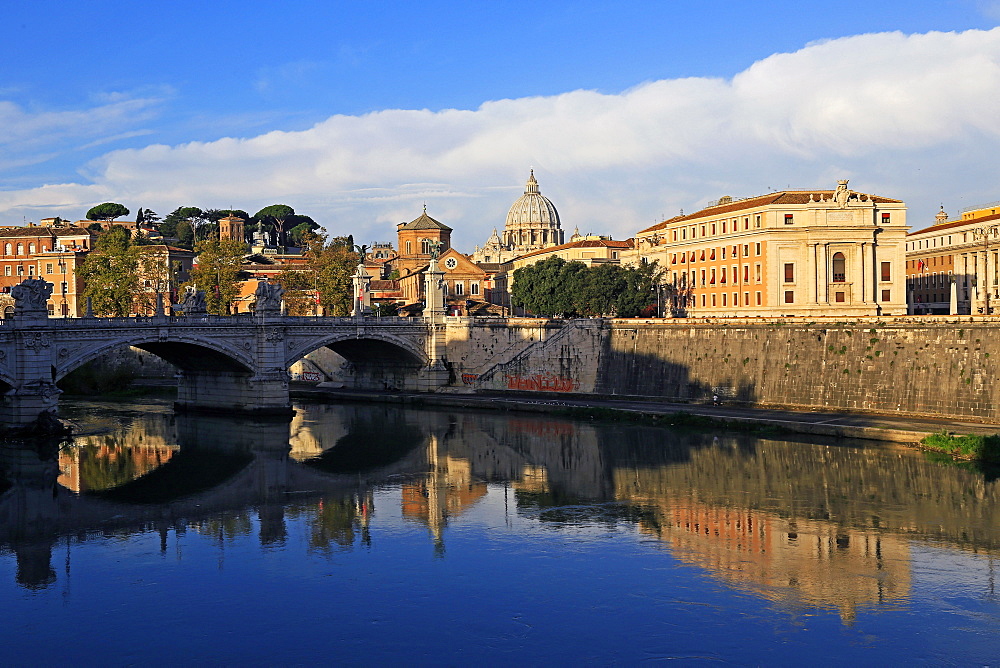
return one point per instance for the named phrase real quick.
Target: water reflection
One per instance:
(805, 525)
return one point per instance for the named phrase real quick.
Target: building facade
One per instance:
(810, 252)
(953, 266)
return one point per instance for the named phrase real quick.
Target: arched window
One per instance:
(409, 248)
(839, 268)
(425, 247)
(20, 249)
(31, 248)
(7, 249)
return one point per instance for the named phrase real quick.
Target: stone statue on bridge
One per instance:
(193, 302)
(31, 296)
(268, 297)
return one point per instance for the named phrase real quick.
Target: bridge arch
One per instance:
(377, 360)
(185, 352)
(371, 346)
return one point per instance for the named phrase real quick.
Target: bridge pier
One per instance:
(228, 392)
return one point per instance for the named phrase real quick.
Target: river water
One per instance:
(368, 535)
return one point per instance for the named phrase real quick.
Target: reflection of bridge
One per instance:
(225, 363)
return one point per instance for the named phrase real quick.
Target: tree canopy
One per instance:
(555, 287)
(107, 211)
(277, 215)
(111, 274)
(218, 272)
(330, 264)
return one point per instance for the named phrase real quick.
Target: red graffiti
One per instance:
(540, 383)
(469, 378)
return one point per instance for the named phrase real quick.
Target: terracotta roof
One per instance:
(784, 197)
(583, 243)
(425, 222)
(383, 285)
(951, 224)
(38, 231)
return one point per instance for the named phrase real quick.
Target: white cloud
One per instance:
(907, 116)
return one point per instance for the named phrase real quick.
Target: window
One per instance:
(746, 223)
(712, 282)
(614, 255)
(713, 228)
(20, 270)
(757, 250)
(789, 272)
(736, 274)
(31, 248)
(746, 299)
(885, 218)
(702, 230)
(756, 221)
(723, 227)
(886, 294)
(703, 300)
(723, 252)
(474, 288)
(20, 249)
(713, 301)
(6, 270)
(684, 233)
(789, 296)
(722, 276)
(31, 270)
(746, 276)
(838, 297)
(724, 299)
(6, 249)
(886, 271)
(746, 250)
(758, 294)
(702, 279)
(839, 268)
(756, 272)
(425, 246)
(675, 235)
(48, 267)
(409, 248)
(789, 219)
(459, 288)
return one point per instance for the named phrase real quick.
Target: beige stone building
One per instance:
(953, 266)
(804, 252)
(532, 224)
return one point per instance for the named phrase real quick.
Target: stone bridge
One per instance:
(225, 363)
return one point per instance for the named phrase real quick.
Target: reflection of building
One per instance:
(97, 464)
(447, 490)
(953, 266)
(810, 562)
(804, 252)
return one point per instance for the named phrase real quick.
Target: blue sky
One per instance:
(358, 113)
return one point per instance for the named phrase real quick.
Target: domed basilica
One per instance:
(532, 224)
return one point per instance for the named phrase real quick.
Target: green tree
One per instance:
(276, 215)
(184, 233)
(107, 211)
(218, 272)
(111, 274)
(554, 287)
(548, 288)
(330, 264)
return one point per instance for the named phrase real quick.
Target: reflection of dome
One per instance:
(532, 221)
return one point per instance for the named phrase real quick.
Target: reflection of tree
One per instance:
(336, 522)
(225, 527)
(370, 443)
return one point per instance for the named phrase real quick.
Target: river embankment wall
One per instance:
(921, 366)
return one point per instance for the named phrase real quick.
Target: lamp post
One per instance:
(985, 233)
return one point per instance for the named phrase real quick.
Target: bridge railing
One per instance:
(238, 319)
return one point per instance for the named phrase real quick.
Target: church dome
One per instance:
(532, 221)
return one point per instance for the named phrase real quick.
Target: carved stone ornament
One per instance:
(39, 388)
(30, 296)
(268, 297)
(274, 335)
(842, 195)
(37, 341)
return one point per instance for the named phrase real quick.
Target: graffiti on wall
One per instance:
(469, 378)
(541, 383)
